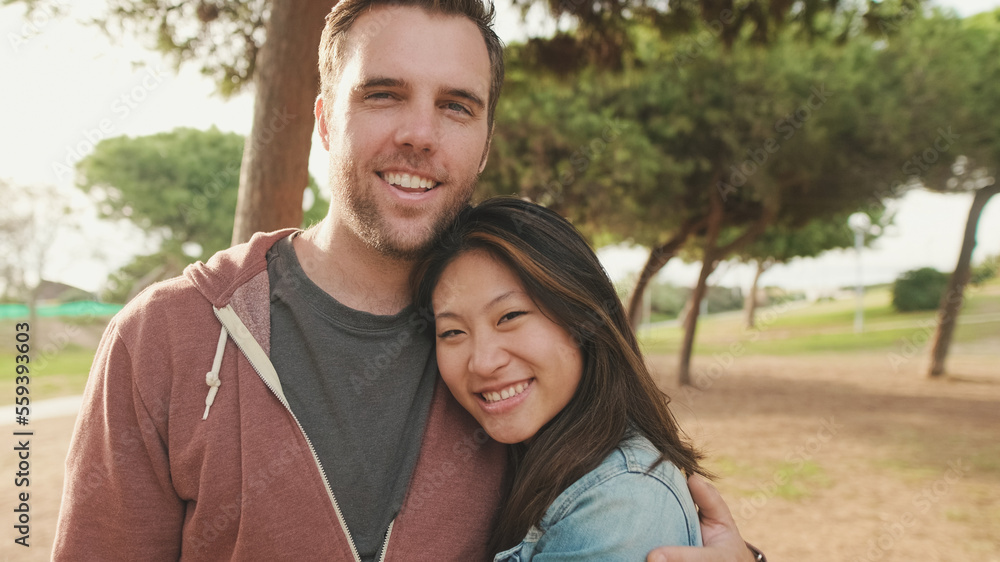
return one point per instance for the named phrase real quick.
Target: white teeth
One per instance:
(506, 393)
(408, 181)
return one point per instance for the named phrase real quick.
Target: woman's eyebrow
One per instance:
(493, 302)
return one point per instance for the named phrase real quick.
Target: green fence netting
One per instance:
(73, 309)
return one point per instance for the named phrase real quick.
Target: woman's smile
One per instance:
(502, 356)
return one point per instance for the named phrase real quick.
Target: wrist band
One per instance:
(758, 556)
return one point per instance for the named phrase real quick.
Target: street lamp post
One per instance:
(861, 224)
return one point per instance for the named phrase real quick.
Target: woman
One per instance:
(533, 341)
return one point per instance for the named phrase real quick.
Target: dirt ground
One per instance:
(837, 458)
(851, 458)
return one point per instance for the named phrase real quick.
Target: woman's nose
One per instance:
(488, 356)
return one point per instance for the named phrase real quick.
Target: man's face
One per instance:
(406, 128)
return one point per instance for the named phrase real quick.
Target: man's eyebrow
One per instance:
(387, 82)
(382, 82)
(465, 94)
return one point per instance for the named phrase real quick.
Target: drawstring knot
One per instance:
(212, 377)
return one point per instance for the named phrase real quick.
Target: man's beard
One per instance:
(370, 225)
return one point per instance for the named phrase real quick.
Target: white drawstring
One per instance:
(212, 377)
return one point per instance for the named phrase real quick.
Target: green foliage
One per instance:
(669, 300)
(805, 130)
(919, 289)
(985, 271)
(602, 30)
(180, 185)
(225, 36)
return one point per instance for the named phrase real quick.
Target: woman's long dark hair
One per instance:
(565, 279)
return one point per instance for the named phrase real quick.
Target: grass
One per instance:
(59, 363)
(825, 327)
(791, 329)
(787, 480)
(50, 376)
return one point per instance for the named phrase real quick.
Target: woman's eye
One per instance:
(449, 333)
(511, 316)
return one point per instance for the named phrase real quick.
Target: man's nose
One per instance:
(419, 128)
(488, 356)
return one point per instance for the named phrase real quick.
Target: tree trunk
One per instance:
(275, 168)
(951, 301)
(712, 255)
(694, 311)
(658, 258)
(751, 307)
(716, 215)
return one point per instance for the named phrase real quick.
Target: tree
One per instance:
(180, 186)
(32, 219)
(954, 82)
(705, 155)
(983, 187)
(270, 44)
(781, 243)
(273, 44)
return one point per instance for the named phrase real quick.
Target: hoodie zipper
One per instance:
(385, 545)
(281, 398)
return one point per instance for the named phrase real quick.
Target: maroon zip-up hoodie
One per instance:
(147, 478)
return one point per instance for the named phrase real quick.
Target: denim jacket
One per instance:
(615, 512)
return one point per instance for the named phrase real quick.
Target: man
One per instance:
(319, 431)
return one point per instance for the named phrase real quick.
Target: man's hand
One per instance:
(718, 531)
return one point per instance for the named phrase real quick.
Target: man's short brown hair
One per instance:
(340, 20)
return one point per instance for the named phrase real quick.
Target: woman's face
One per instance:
(506, 363)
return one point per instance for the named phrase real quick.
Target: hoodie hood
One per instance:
(225, 272)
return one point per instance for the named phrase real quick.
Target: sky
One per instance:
(67, 86)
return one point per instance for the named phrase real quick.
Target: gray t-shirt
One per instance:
(360, 385)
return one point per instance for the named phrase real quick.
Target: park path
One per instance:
(43, 409)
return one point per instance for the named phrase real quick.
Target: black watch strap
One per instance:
(758, 556)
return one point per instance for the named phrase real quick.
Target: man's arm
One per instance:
(118, 501)
(718, 531)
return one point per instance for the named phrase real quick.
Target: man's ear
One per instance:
(486, 151)
(321, 123)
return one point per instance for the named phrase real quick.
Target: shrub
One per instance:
(986, 270)
(919, 289)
